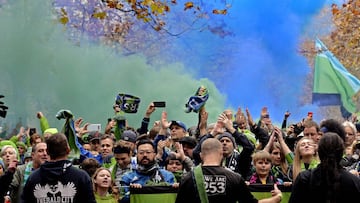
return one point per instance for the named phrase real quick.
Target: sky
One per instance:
(247, 58)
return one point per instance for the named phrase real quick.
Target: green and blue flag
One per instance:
(333, 84)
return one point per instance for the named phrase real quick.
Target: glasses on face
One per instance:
(145, 152)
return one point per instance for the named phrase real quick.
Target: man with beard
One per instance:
(147, 171)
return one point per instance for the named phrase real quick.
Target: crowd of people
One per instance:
(207, 162)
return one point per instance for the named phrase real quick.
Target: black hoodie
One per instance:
(58, 182)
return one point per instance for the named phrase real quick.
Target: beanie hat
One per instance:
(22, 144)
(228, 135)
(191, 141)
(3, 143)
(51, 131)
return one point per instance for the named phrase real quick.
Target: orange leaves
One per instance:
(188, 5)
(152, 12)
(344, 40)
(114, 4)
(334, 9)
(111, 4)
(218, 11)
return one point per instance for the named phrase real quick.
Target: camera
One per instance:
(3, 107)
(297, 129)
(32, 131)
(357, 145)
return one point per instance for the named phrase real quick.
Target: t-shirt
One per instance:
(221, 185)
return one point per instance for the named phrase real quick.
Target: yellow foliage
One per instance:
(100, 15)
(64, 20)
(146, 3)
(157, 9)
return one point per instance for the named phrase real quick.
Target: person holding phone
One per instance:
(144, 128)
(178, 130)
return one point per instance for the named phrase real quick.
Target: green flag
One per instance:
(69, 128)
(333, 84)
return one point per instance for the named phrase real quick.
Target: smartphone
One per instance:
(94, 127)
(32, 131)
(161, 104)
(122, 124)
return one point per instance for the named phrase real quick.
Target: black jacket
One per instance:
(237, 162)
(5, 181)
(308, 188)
(58, 181)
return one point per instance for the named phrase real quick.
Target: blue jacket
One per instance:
(136, 177)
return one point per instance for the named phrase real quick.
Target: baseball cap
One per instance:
(191, 141)
(95, 135)
(178, 123)
(129, 135)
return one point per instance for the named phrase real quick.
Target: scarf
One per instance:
(197, 101)
(27, 172)
(69, 128)
(178, 175)
(230, 162)
(254, 179)
(153, 171)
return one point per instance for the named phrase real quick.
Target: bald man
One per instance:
(220, 184)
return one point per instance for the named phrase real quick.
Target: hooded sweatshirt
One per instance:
(58, 182)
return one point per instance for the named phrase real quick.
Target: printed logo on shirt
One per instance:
(55, 193)
(215, 184)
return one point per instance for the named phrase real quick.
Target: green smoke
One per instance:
(41, 70)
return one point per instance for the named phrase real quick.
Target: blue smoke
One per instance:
(251, 55)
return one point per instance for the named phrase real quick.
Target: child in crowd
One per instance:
(262, 174)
